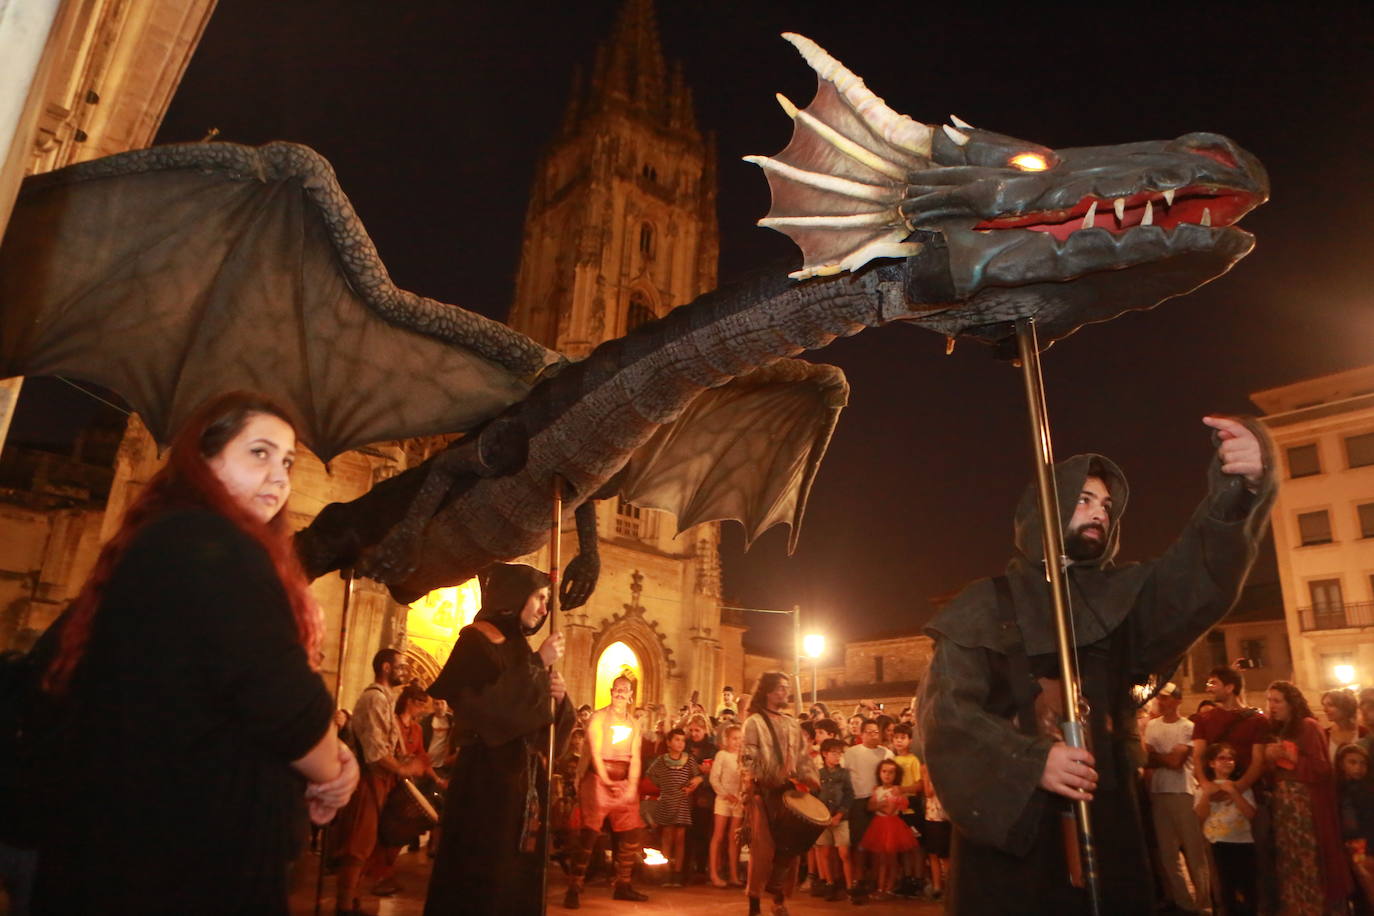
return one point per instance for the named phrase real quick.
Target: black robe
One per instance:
(501, 714)
(193, 697)
(1132, 622)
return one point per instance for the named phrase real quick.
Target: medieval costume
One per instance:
(988, 708)
(192, 700)
(601, 806)
(775, 752)
(491, 857)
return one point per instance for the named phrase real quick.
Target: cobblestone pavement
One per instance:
(413, 875)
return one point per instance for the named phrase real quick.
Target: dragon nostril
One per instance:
(1219, 153)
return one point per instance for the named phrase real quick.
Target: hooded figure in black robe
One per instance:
(491, 854)
(993, 684)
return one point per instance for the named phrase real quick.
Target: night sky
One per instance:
(434, 115)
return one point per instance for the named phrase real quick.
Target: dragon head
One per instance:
(998, 228)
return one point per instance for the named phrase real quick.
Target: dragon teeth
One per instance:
(1120, 206)
(1090, 218)
(1149, 218)
(1169, 197)
(1206, 216)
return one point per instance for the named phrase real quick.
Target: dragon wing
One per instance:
(748, 450)
(172, 274)
(838, 185)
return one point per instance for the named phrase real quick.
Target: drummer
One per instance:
(775, 756)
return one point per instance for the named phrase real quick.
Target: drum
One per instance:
(799, 821)
(407, 813)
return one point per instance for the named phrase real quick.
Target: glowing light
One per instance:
(814, 644)
(617, 659)
(1029, 162)
(620, 733)
(1345, 674)
(654, 857)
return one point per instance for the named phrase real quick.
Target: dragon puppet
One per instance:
(150, 272)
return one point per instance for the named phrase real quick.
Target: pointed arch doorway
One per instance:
(616, 660)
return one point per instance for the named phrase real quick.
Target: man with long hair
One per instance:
(774, 756)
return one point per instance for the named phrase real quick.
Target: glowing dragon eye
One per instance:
(1029, 162)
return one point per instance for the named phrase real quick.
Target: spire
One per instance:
(629, 66)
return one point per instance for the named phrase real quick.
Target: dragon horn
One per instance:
(898, 129)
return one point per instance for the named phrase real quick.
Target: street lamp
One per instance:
(1345, 674)
(814, 644)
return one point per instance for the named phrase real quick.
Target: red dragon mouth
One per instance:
(1165, 209)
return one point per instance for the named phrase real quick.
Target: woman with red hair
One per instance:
(195, 731)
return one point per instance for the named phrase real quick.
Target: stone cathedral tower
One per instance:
(621, 229)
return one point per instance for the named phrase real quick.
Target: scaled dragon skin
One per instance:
(995, 244)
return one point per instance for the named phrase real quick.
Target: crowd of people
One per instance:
(1265, 810)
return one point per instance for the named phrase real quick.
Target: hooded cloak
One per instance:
(1131, 623)
(489, 858)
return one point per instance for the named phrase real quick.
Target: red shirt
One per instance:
(1216, 725)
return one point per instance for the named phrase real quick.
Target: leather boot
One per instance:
(623, 891)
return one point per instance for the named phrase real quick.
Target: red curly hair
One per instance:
(188, 481)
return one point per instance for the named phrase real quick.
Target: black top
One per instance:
(192, 699)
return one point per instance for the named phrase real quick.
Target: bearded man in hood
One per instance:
(490, 858)
(992, 703)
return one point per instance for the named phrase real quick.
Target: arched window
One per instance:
(639, 312)
(649, 172)
(646, 240)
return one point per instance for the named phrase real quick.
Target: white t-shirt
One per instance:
(862, 764)
(1162, 737)
(1225, 823)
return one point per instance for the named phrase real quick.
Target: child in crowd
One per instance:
(729, 811)
(913, 860)
(1226, 815)
(888, 836)
(1357, 816)
(675, 773)
(935, 838)
(837, 792)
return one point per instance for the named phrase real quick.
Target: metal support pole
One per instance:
(796, 660)
(815, 680)
(347, 576)
(555, 568)
(1056, 564)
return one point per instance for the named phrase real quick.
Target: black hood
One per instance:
(505, 589)
(1069, 477)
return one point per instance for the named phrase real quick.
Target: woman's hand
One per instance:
(551, 650)
(692, 784)
(324, 799)
(732, 799)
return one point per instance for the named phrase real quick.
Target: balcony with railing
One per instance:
(1336, 616)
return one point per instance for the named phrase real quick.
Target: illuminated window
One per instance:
(1314, 528)
(616, 660)
(1303, 461)
(1359, 450)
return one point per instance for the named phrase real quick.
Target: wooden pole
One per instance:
(347, 576)
(796, 660)
(555, 568)
(1056, 564)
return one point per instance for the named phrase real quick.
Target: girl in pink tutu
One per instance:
(888, 836)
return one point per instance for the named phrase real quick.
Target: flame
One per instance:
(1029, 162)
(620, 733)
(654, 857)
